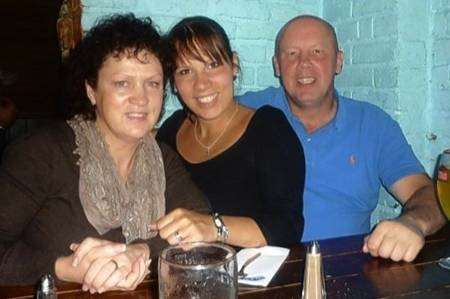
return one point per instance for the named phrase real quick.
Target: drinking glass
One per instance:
(443, 190)
(443, 182)
(198, 270)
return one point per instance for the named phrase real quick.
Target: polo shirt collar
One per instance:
(339, 120)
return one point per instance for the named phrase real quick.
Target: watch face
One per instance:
(217, 222)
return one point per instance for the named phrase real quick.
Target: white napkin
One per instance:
(261, 271)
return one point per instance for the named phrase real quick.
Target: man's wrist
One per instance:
(411, 224)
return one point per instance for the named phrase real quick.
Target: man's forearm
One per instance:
(422, 211)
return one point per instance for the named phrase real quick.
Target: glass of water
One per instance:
(198, 270)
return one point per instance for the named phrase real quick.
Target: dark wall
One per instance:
(29, 47)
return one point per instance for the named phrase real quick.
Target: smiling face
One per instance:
(307, 62)
(206, 86)
(128, 97)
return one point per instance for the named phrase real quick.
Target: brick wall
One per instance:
(250, 24)
(439, 81)
(397, 57)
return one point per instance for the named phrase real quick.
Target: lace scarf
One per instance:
(107, 201)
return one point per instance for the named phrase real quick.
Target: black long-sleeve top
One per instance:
(261, 176)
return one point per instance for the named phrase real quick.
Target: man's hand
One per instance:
(403, 238)
(394, 239)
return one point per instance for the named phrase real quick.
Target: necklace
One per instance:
(211, 145)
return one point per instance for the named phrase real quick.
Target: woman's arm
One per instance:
(24, 180)
(244, 232)
(281, 174)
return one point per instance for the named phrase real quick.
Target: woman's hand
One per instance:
(123, 270)
(74, 267)
(85, 249)
(182, 226)
(138, 273)
(112, 277)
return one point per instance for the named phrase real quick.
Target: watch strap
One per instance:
(222, 229)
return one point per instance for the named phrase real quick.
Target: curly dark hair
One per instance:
(114, 35)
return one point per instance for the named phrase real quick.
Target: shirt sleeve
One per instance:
(397, 159)
(281, 175)
(24, 179)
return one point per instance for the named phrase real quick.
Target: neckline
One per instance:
(224, 153)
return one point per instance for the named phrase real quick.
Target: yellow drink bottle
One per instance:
(443, 182)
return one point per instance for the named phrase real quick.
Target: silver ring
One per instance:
(177, 236)
(116, 264)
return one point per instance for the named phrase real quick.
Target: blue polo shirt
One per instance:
(347, 162)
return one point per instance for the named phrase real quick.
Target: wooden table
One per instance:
(349, 274)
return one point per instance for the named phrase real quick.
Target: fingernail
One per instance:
(121, 248)
(153, 227)
(147, 262)
(84, 288)
(101, 290)
(72, 246)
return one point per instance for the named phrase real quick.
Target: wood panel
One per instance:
(29, 48)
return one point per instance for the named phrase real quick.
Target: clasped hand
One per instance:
(110, 266)
(395, 239)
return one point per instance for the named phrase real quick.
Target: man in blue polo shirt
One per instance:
(352, 148)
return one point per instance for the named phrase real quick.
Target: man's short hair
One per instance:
(327, 25)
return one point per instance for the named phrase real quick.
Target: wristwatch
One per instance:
(222, 229)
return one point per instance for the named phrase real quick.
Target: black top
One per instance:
(260, 176)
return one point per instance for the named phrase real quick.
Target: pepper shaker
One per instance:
(313, 278)
(46, 289)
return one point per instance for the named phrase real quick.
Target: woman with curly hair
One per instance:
(77, 197)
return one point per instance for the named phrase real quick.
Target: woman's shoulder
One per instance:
(169, 128)
(269, 112)
(51, 133)
(171, 159)
(46, 144)
(270, 123)
(269, 117)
